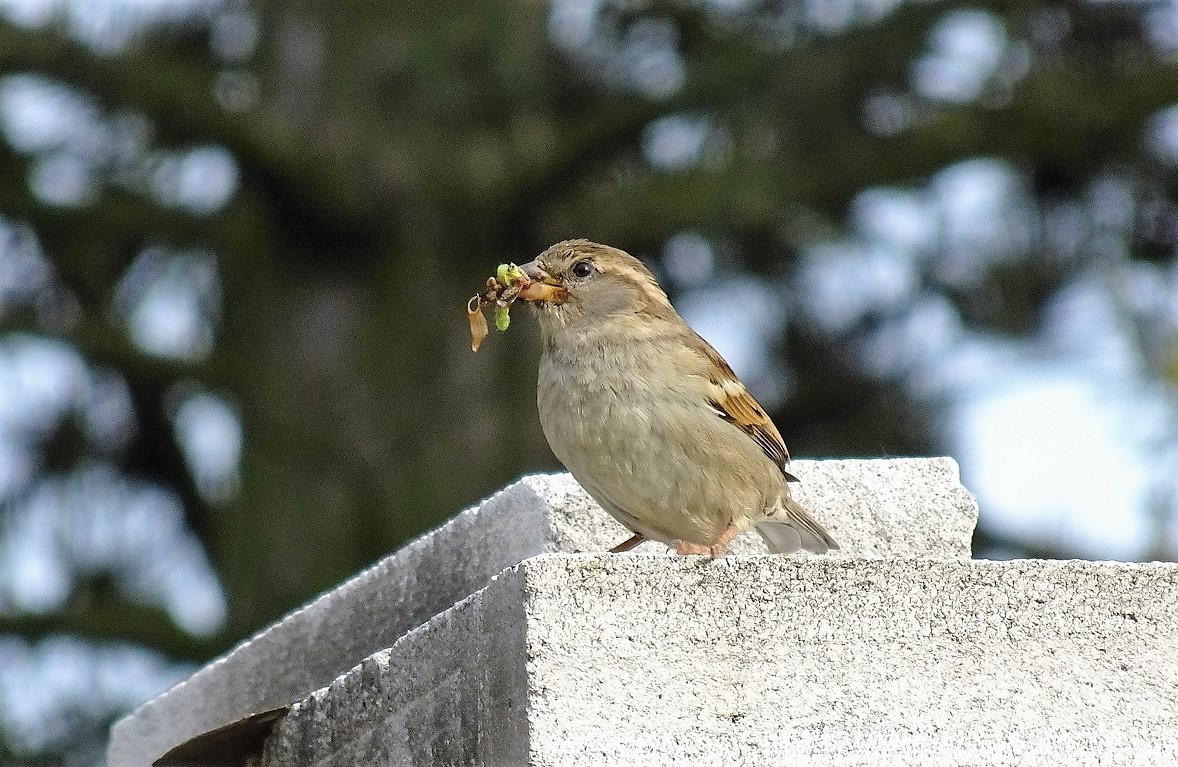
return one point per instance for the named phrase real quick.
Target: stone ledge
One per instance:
(592, 660)
(875, 508)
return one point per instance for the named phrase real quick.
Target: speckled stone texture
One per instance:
(875, 508)
(600, 660)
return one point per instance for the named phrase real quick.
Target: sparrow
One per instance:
(648, 417)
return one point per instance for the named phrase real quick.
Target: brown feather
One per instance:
(735, 405)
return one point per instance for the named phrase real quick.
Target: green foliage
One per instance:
(392, 151)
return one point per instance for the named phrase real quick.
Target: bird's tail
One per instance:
(791, 527)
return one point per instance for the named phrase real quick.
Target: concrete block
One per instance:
(592, 660)
(315, 644)
(900, 507)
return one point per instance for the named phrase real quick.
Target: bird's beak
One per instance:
(543, 287)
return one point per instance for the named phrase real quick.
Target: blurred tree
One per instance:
(270, 215)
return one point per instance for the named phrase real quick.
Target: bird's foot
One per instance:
(718, 548)
(627, 544)
(683, 548)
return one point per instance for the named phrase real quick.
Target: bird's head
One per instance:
(578, 283)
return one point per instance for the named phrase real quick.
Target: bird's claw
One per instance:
(683, 548)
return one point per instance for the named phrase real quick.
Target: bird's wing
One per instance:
(732, 402)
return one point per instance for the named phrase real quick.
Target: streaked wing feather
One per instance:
(732, 402)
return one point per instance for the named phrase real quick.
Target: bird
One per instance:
(648, 417)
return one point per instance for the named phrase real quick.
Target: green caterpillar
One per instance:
(507, 275)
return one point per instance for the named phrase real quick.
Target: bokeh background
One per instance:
(236, 239)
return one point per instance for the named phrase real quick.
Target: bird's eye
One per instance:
(582, 269)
